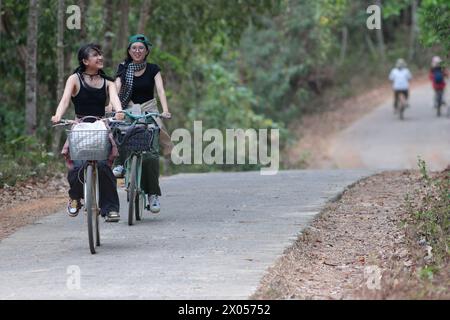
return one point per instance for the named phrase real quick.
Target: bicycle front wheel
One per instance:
(139, 206)
(91, 208)
(132, 191)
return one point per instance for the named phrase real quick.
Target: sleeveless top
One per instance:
(143, 85)
(90, 101)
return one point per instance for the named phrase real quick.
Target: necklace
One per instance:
(91, 76)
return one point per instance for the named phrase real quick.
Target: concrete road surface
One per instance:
(381, 141)
(215, 237)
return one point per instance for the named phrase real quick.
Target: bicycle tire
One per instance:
(92, 217)
(97, 211)
(139, 206)
(132, 191)
(402, 109)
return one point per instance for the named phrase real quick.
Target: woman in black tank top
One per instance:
(136, 80)
(88, 88)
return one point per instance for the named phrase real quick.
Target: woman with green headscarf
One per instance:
(136, 80)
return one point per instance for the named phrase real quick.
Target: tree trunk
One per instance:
(145, 14)
(380, 38)
(30, 72)
(60, 64)
(370, 45)
(84, 4)
(123, 25)
(414, 30)
(344, 45)
(10, 29)
(108, 17)
(60, 49)
(1, 20)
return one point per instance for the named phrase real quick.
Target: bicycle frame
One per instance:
(127, 166)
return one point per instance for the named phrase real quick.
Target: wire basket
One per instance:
(139, 139)
(89, 144)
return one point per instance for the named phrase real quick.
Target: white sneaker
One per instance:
(154, 203)
(119, 171)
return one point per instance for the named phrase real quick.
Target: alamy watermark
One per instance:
(372, 274)
(261, 148)
(73, 281)
(73, 22)
(374, 20)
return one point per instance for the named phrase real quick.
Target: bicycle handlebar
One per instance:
(64, 122)
(141, 116)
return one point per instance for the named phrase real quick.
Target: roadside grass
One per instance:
(26, 157)
(428, 228)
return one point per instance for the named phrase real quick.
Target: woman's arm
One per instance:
(114, 100)
(118, 84)
(64, 103)
(162, 95)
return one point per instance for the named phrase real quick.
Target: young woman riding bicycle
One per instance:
(136, 81)
(400, 76)
(88, 88)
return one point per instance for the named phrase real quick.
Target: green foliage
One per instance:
(435, 23)
(394, 7)
(288, 62)
(24, 157)
(249, 64)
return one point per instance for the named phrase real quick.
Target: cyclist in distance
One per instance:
(437, 76)
(136, 80)
(88, 88)
(400, 77)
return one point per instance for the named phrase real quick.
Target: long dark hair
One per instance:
(83, 53)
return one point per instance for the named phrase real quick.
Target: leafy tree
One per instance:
(435, 23)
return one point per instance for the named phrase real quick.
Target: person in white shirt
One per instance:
(400, 77)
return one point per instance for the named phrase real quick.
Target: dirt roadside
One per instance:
(28, 201)
(360, 247)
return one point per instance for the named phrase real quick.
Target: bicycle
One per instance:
(146, 141)
(438, 101)
(402, 105)
(90, 146)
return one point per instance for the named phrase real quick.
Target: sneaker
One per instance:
(119, 172)
(154, 203)
(73, 207)
(112, 216)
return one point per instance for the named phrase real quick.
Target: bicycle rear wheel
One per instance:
(438, 98)
(91, 208)
(132, 191)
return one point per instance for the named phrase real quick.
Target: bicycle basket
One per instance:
(137, 138)
(89, 144)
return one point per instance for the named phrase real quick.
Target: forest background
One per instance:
(232, 64)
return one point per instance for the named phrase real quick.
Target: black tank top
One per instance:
(90, 101)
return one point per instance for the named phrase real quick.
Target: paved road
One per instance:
(217, 235)
(381, 141)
